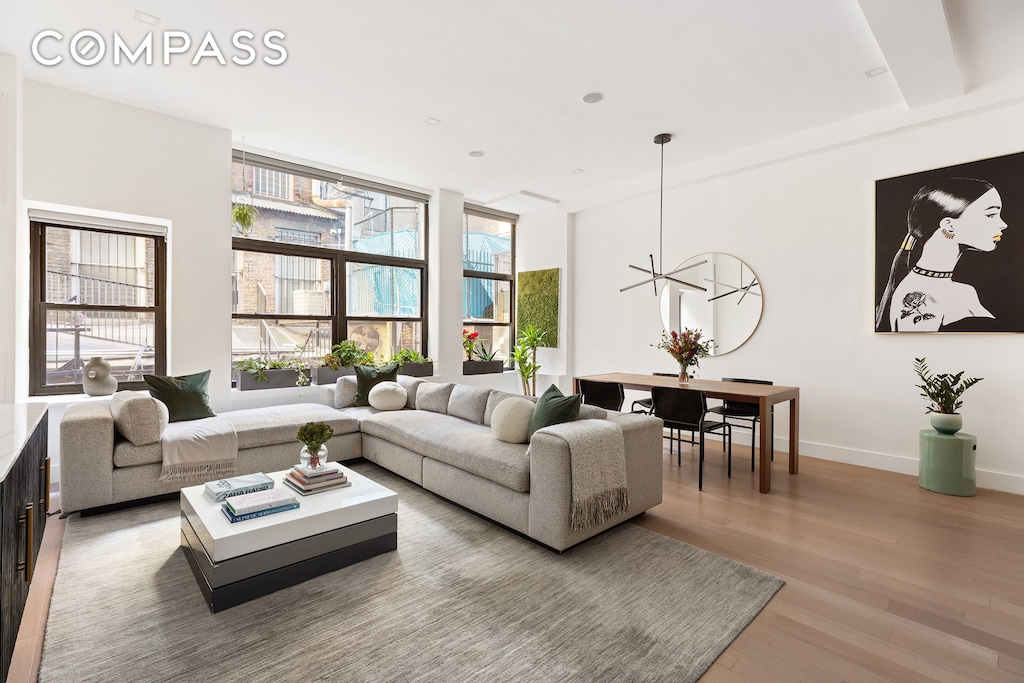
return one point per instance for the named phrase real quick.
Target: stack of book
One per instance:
(258, 504)
(308, 480)
(219, 490)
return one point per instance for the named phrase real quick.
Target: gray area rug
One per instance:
(460, 600)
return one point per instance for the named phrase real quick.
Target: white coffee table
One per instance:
(235, 563)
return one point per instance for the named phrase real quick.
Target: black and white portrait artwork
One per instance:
(949, 249)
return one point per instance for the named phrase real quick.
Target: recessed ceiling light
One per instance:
(577, 171)
(593, 97)
(433, 122)
(146, 18)
(476, 154)
(877, 71)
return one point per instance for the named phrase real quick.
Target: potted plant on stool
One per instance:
(947, 458)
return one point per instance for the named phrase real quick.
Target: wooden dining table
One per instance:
(764, 395)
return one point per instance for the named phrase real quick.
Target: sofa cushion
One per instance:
(468, 402)
(434, 397)
(511, 419)
(368, 376)
(494, 399)
(138, 417)
(279, 424)
(457, 442)
(185, 396)
(345, 391)
(553, 408)
(412, 385)
(592, 412)
(388, 396)
(127, 454)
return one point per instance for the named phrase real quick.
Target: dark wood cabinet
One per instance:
(24, 492)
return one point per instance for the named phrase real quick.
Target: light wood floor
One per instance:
(884, 581)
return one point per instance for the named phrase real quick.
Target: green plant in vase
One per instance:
(313, 435)
(687, 349)
(943, 391)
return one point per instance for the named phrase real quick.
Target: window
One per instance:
(488, 277)
(339, 258)
(268, 183)
(96, 291)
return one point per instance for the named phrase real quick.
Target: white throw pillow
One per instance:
(387, 396)
(511, 419)
(138, 417)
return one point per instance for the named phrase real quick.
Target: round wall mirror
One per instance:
(716, 293)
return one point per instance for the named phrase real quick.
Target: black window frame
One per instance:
(339, 316)
(510, 277)
(39, 307)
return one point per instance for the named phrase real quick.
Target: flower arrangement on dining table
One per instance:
(686, 347)
(469, 342)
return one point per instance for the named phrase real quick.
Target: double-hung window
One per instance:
(336, 258)
(97, 290)
(488, 277)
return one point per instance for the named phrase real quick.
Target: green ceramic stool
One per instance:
(947, 463)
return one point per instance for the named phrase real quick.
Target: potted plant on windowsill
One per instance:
(259, 373)
(943, 391)
(343, 357)
(413, 363)
(484, 363)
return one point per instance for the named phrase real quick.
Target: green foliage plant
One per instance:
(524, 356)
(485, 354)
(259, 366)
(943, 390)
(404, 356)
(244, 217)
(346, 354)
(313, 435)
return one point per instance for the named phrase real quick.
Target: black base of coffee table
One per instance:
(241, 579)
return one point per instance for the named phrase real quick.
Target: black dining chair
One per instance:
(749, 414)
(645, 403)
(607, 395)
(687, 409)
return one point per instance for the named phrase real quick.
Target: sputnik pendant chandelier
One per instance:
(659, 274)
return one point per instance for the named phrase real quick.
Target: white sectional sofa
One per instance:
(444, 444)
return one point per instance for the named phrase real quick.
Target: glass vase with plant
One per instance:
(244, 217)
(314, 436)
(686, 347)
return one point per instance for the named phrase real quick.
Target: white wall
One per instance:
(91, 154)
(806, 227)
(10, 192)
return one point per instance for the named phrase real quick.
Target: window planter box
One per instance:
(324, 375)
(417, 369)
(277, 379)
(482, 367)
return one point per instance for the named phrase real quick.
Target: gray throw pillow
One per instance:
(138, 417)
(433, 396)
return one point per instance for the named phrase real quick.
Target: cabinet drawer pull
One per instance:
(44, 499)
(29, 520)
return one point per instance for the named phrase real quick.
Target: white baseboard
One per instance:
(987, 479)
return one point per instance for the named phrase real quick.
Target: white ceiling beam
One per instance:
(914, 37)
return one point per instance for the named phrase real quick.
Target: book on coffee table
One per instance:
(328, 486)
(232, 517)
(218, 490)
(259, 500)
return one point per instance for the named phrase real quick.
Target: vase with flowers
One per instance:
(314, 437)
(687, 348)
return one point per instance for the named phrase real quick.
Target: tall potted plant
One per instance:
(524, 357)
(943, 391)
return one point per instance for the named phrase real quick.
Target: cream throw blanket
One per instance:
(597, 457)
(206, 448)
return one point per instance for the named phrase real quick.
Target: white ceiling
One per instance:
(507, 77)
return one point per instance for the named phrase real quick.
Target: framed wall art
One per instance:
(949, 249)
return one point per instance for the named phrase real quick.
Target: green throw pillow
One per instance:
(553, 407)
(185, 396)
(368, 376)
